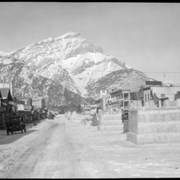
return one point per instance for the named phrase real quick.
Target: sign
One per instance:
(27, 101)
(38, 102)
(4, 85)
(20, 107)
(2, 109)
(27, 108)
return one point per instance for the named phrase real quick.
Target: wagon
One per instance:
(15, 123)
(51, 116)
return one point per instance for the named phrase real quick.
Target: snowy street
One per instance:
(62, 148)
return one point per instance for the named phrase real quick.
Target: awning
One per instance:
(12, 103)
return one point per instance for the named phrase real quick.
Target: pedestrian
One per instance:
(34, 118)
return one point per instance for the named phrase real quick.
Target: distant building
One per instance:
(156, 92)
(167, 91)
(116, 98)
(135, 95)
(177, 95)
(153, 83)
(120, 98)
(161, 92)
(147, 96)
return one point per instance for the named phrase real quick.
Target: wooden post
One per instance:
(3, 120)
(99, 122)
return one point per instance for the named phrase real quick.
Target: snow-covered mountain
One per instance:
(71, 62)
(2, 53)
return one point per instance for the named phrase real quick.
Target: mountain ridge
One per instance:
(74, 63)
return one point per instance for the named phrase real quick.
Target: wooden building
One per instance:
(8, 107)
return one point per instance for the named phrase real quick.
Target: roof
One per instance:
(154, 83)
(146, 88)
(116, 92)
(6, 94)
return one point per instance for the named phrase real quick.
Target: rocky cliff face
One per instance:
(69, 63)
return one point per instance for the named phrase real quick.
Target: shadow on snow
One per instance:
(7, 139)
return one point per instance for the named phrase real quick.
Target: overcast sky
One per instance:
(146, 36)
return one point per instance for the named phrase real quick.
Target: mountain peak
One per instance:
(71, 34)
(68, 35)
(74, 62)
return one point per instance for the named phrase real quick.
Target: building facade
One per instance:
(120, 99)
(159, 94)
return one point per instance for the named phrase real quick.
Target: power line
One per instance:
(163, 72)
(134, 69)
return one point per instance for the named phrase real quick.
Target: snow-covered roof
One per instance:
(6, 94)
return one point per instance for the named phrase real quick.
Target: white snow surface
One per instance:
(63, 148)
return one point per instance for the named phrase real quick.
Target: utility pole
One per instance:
(11, 88)
(164, 77)
(79, 99)
(3, 82)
